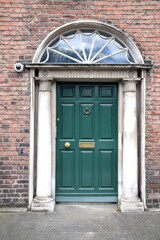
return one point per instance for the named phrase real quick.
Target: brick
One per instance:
(23, 27)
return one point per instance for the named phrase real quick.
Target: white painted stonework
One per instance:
(44, 199)
(129, 200)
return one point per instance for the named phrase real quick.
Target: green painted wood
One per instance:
(86, 169)
(105, 168)
(67, 169)
(107, 199)
(87, 113)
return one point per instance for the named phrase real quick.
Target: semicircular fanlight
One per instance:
(86, 47)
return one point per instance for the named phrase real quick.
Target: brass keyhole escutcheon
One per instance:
(67, 145)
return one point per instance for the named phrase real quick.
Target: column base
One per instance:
(131, 206)
(43, 205)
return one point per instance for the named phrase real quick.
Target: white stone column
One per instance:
(129, 200)
(44, 200)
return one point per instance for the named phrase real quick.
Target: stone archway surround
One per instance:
(131, 148)
(128, 142)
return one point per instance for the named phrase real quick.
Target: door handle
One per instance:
(67, 145)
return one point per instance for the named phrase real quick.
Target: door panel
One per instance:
(67, 169)
(86, 123)
(106, 129)
(87, 119)
(68, 127)
(86, 169)
(105, 169)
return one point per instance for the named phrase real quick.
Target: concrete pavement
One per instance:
(80, 222)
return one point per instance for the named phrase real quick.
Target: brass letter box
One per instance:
(86, 144)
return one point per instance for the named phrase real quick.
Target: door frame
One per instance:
(118, 74)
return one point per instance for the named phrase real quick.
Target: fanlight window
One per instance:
(86, 47)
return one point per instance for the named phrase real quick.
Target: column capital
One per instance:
(124, 80)
(45, 85)
(129, 86)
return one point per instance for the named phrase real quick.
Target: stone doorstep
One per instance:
(13, 210)
(23, 210)
(153, 209)
(131, 207)
(42, 207)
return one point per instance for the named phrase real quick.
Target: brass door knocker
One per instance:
(87, 111)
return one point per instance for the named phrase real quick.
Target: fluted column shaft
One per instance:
(129, 199)
(43, 190)
(130, 151)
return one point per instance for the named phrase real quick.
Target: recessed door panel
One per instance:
(106, 91)
(68, 121)
(105, 169)
(66, 170)
(86, 91)
(86, 123)
(106, 120)
(68, 92)
(86, 167)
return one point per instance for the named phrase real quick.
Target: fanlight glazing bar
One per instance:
(47, 56)
(72, 48)
(101, 49)
(92, 46)
(105, 57)
(65, 55)
(84, 53)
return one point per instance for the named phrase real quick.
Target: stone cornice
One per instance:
(61, 67)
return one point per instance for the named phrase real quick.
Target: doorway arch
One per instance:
(130, 77)
(89, 25)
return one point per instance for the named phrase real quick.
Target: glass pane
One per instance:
(87, 40)
(76, 44)
(119, 58)
(64, 48)
(99, 44)
(56, 58)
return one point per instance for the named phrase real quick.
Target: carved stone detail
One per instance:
(43, 73)
(88, 74)
(77, 73)
(130, 86)
(45, 86)
(132, 74)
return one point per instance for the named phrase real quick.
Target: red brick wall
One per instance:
(24, 24)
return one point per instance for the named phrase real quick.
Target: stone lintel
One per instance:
(70, 74)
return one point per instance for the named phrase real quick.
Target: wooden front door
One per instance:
(86, 167)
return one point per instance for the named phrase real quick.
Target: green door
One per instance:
(86, 171)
